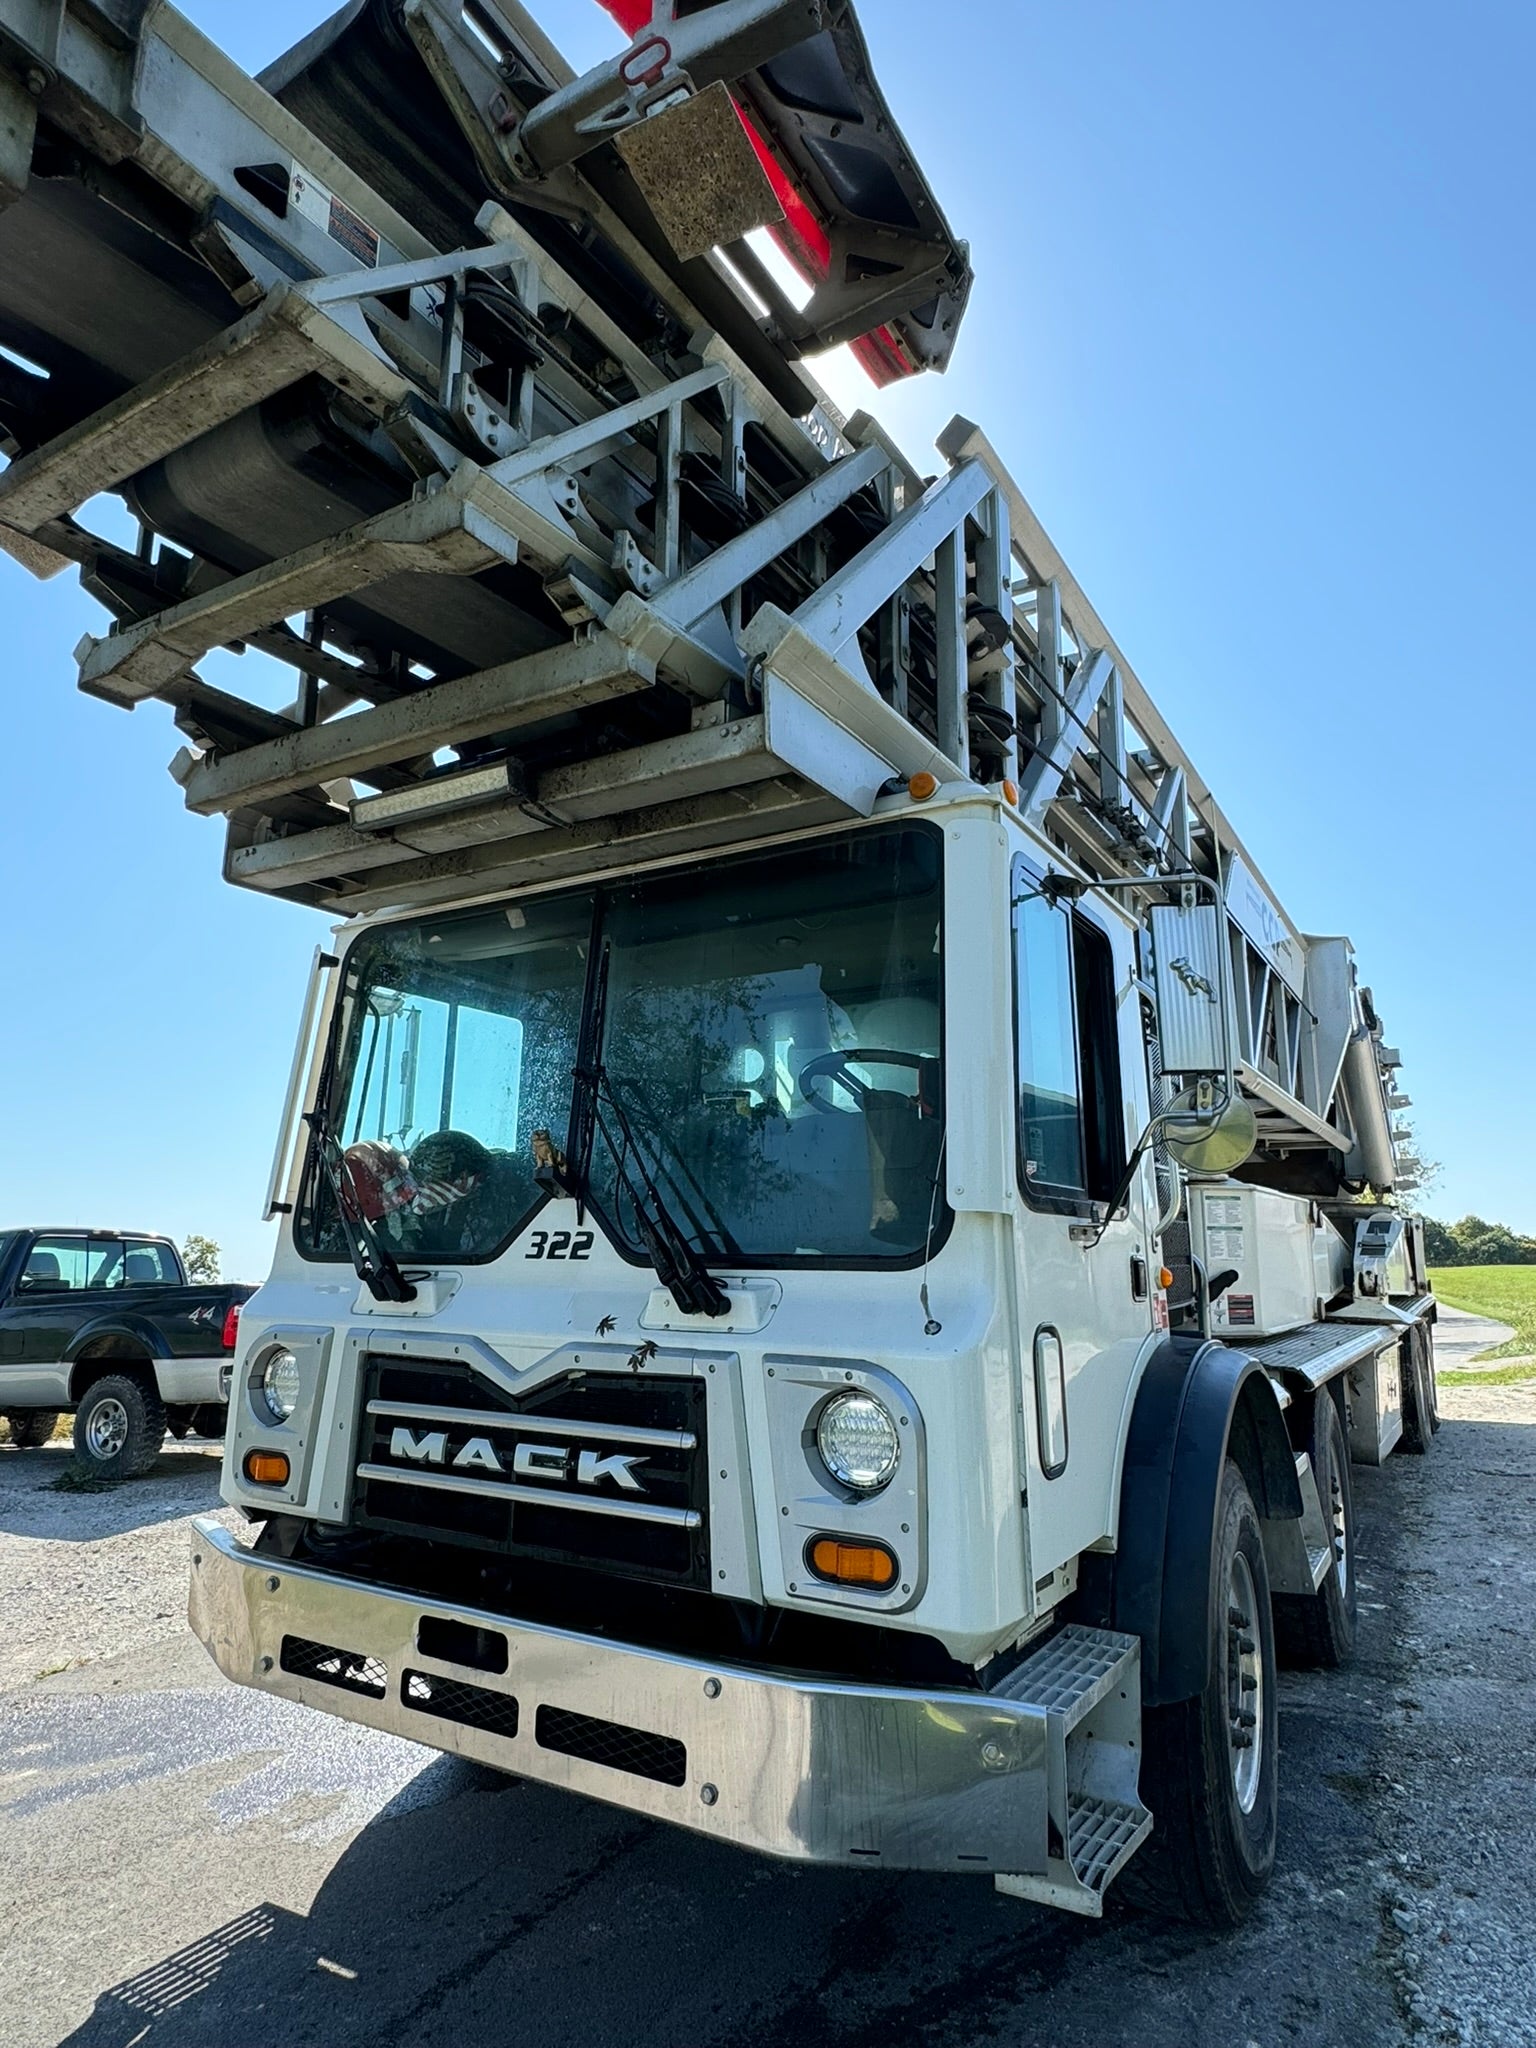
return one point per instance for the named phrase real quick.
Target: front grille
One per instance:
(348, 1669)
(608, 1470)
(642, 1755)
(450, 1699)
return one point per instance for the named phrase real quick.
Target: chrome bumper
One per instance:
(823, 1773)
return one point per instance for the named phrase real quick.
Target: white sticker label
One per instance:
(316, 202)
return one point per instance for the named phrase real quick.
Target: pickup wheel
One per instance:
(119, 1428)
(1209, 1771)
(210, 1419)
(1318, 1630)
(30, 1431)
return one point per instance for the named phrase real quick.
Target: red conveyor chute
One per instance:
(800, 234)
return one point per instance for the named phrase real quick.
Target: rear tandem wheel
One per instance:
(1318, 1629)
(1421, 1397)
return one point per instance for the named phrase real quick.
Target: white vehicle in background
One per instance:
(835, 1244)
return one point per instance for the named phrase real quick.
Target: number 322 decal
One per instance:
(560, 1244)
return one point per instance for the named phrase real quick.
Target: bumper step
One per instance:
(1089, 1682)
(1040, 1773)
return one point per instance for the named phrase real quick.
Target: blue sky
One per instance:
(1253, 328)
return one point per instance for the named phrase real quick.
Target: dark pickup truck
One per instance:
(105, 1322)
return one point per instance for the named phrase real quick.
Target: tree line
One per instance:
(1472, 1242)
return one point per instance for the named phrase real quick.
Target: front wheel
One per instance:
(30, 1431)
(119, 1428)
(1210, 1772)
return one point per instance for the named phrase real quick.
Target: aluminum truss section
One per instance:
(1105, 778)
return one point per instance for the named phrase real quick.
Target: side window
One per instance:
(105, 1262)
(429, 1065)
(1050, 1114)
(56, 1263)
(149, 1265)
(1098, 1059)
(1071, 1147)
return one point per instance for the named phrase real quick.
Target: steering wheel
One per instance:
(835, 1066)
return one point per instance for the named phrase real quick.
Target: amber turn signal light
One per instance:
(1011, 794)
(266, 1468)
(922, 786)
(852, 1564)
(1164, 1278)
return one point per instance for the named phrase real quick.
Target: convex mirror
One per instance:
(1214, 1143)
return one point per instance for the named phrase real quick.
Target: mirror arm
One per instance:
(1091, 1234)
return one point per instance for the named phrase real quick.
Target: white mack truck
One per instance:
(836, 1248)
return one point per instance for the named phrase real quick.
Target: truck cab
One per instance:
(750, 1276)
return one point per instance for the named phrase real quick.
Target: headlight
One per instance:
(278, 1386)
(858, 1442)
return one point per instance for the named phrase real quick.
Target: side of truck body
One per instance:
(828, 1280)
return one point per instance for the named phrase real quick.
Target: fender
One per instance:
(1197, 1400)
(135, 1330)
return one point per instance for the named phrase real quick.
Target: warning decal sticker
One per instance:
(317, 203)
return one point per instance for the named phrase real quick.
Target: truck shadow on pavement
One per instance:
(504, 1912)
(477, 1910)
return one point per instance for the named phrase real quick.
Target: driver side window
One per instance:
(1070, 1120)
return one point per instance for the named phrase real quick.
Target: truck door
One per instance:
(47, 1307)
(1083, 1281)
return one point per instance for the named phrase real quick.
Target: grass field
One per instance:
(1507, 1293)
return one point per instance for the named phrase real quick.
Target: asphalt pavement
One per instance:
(184, 1864)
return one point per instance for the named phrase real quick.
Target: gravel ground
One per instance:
(89, 1575)
(1458, 1798)
(187, 1864)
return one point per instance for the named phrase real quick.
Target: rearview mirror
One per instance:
(1210, 1143)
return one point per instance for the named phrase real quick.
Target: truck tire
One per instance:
(1209, 1764)
(1421, 1397)
(31, 1430)
(178, 1419)
(119, 1428)
(210, 1419)
(1317, 1630)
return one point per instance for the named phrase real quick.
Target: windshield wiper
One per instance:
(679, 1266)
(372, 1260)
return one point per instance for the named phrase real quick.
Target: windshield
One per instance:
(771, 1034)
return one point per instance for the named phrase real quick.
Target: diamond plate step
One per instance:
(1088, 1681)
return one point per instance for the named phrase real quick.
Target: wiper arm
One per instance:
(372, 1260)
(679, 1266)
